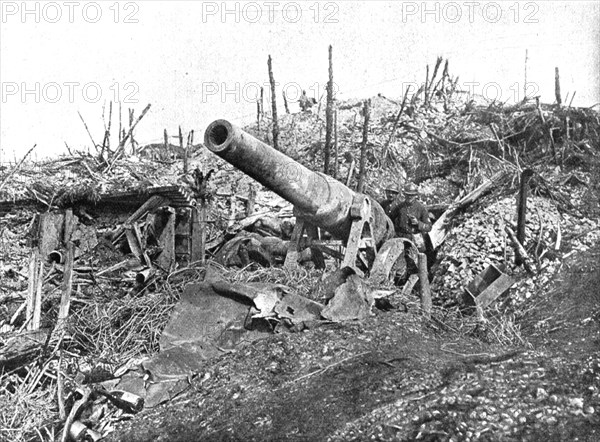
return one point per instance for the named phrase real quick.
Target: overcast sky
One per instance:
(198, 61)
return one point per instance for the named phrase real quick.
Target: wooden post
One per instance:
(285, 103)
(273, 105)
(166, 144)
(203, 233)
(328, 115)
(363, 149)
(557, 87)
(426, 100)
(183, 151)
(396, 121)
(522, 210)
(425, 289)
(335, 145)
(525, 79)
(120, 123)
(131, 126)
(350, 172)
(250, 201)
(257, 116)
(65, 301)
(232, 210)
(31, 287)
(262, 103)
(37, 305)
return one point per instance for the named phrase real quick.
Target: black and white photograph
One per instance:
(299, 221)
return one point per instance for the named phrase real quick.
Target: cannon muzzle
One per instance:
(317, 198)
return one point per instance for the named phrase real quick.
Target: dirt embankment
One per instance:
(397, 377)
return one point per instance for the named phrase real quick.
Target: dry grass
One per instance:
(27, 411)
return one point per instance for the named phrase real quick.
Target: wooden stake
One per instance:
(203, 233)
(396, 121)
(363, 149)
(426, 85)
(183, 151)
(232, 211)
(285, 103)
(273, 105)
(65, 301)
(31, 287)
(87, 130)
(165, 144)
(37, 305)
(425, 289)
(131, 136)
(557, 87)
(525, 80)
(335, 145)
(60, 386)
(329, 115)
(250, 200)
(522, 209)
(350, 172)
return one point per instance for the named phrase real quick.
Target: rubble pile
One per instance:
(479, 239)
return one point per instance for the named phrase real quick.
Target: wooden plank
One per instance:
(152, 203)
(494, 290)
(37, 304)
(67, 285)
(440, 228)
(167, 242)
(31, 287)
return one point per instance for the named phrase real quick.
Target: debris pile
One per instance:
(479, 239)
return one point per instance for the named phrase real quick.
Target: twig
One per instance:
(323, 370)
(87, 130)
(121, 147)
(396, 121)
(519, 249)
(12, 172)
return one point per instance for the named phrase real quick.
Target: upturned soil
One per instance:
(397, 376)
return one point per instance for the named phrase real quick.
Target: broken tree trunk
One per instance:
(335, 145)
(21, 349)
(273, 105)
(440, 228)
(329, 115)
(557, 87)
(396, 121)
(285, 103)
(363, 149)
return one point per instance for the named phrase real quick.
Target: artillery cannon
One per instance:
(319, 200)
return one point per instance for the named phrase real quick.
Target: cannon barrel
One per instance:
(319, 199)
